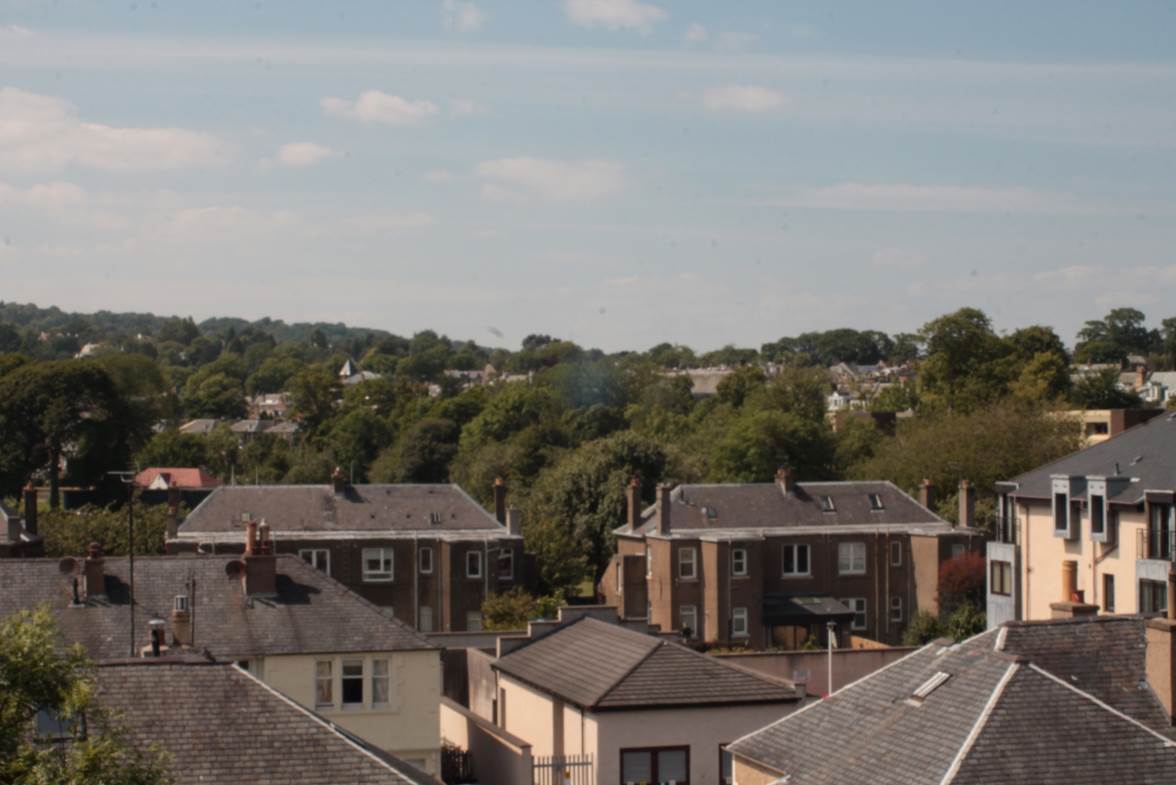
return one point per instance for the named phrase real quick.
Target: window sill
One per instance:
(378, 580)
(851, 574)
(687, 580)
(792, 576)
(743, 577)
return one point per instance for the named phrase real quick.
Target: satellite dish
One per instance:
(67, 566)
(235, 568)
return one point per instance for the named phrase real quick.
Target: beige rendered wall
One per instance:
(499, 758)
(1042, 555)
(748, 773)
(529, 715)
(702, 729)
(925, 558)
(409, 727)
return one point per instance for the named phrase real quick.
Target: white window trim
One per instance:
(692, 612)
(381, 576)
(738, 614)
(478, 560)
(852, 570)
(692, 561)
(896, 605)
(363, 677)
(852, 604)
(896, 550)
(425, 549)
(507, 555)
(740, 572)
(808, 561)
(303, 552)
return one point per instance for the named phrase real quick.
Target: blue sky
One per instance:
(617, 172)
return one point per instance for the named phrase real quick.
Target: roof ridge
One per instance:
(980, 723)
(658, 644)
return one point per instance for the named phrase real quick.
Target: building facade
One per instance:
(771, 564)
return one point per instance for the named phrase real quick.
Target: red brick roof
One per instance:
(180, 477)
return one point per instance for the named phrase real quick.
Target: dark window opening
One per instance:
(1097, 515)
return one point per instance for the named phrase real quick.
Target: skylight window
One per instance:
(827, 504)
(929, 686)
(876, 502)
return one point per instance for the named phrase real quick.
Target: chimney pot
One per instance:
(30, 509)
(663, 508)
(181, 617)
(784, 479)
(633, 504)
(338, 482)
(927, 494)
(94, 572)
(967, 501)
(250, 538)
(514, 520)
(500, 500)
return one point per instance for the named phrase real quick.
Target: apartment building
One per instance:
(428, 554)
(771, 564)
(292, 627)
(1095, 528)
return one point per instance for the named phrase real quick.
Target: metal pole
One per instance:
(830, 627)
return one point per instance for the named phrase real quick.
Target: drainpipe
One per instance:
(1025, 539)
(416, 584)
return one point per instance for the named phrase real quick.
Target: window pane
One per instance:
(380, 681)
(353, 681)
(802, 559)
(671, 765)
(636, 767)
(789, 559)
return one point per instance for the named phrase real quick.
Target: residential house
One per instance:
(771, 564)
(1049, 703)
(181, 478)
(1096, 527)
(1160, 387)
(350, 373)
(200, 427)
(18, 533)
(1098, 425)
(429, 554)
(216, 722)
(274, 406)
(290, 625)
(610, 704)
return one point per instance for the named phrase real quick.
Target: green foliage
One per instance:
(964, 622)
(313, 393)
(1110, 339)
(1102, 391)
(172, 448)
(69, 532)
(760, 442)
(513, 609)
(421, 454)
(35, 676)
(961, 369)
(924, 628)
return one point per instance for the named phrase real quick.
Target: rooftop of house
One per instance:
(601, 666)
(1144, 457)
(355, 510)
(705, 510)
(309, 612)
(217, 723)
(1062, 701)
(179, 477)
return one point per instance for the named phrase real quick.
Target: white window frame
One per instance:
(859, 608)
(648, 561)
(740, 627)
(506, 555)
(827, 504)
(361, 678)
(314, 554)
(692, 561)
(690, 611)
(425, 560)
(385, 678)
(477, 560)
(896, 609)
(387, 557)
(795, 548)
(324, 678)
(896, 553)
(876, 503)
(849, 566)
(425, 618)
(739, 562)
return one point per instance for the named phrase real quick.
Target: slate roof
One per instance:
(1146, 454)
(602, 666)
(1000, 716)
(311, 613)
(765, 506)
(200, 426)
(371, 510)
(220, 725)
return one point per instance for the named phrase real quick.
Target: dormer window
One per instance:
(875, 502)
(435, 518)
(1067, 506)
(827, 504)
(1098, 520)
(1061, 513)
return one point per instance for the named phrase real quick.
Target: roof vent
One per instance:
(435, 518)
(1136, 459)
(928, 687)
(827, 504)
(875, 502)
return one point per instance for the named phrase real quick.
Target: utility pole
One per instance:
(128, 479)
(831, 628)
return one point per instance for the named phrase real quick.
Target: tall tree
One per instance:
(962, 369)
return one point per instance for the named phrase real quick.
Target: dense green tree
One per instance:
(69, 532)
(313, 393)
(356, 438)
(740, 384)
(1044, 378)
(1110, 339)
(421, 454)
(1102, 391)
(798, 391)
(962, 368)
(761, 441)
(218, 396)
(172, 448)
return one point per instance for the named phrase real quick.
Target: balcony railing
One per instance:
(1155, 544)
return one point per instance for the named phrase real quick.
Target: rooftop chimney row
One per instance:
(633, 503)
(663, 508)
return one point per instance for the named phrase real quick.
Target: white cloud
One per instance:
(389, 222)
(462, 107)
(735, 42)
(303, 154)
(614, 14)
(45, 196)
(373, 106)
(517, 178)
(742, 98)
(906, 197)
(696, 33)
(42, 133)
(461, 17)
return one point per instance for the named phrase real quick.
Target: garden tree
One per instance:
(182, 331)
(421, 454)
(511, 408)
(313, 392)
(222, 450)
(272, 375)
(512, 610)
(667, 355)
(962, 582)
(36, 676)
(1027, 342)
(265, 459)
(536, 355)
(424, 365)
(662, 407)
(895, 398)
(218, 396)
(69, 532)
(1102, 391)
(584, 383)
(729, 356)
(905, 349)
(202, 351)
(962, 368)
(310, 468)
(761, 441)
(997, 442)
(378, 395)
(172, 448)
(584, 495)
(10, 339)
(10, 362)
(141, 384)
(1044, 378)
(355, 439)
(1110, 339)
(740, 385)
(798, 391)
(61, 409)
(855, 441)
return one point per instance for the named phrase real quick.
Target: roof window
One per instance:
(876, 502)
(827, 504)
(435, 518)
(929, 686)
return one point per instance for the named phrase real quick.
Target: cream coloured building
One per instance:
(1094, 530)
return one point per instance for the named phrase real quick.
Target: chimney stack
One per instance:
(30, 509)
(663, 508)
(500, 500)
(1160, 656)
(514, 520)
(1069, 580)
(338, 482)
(158, 631)
(927, 494)
(261, 567)
(784, 480)
(173, 512)
(967, 514)
(633, 504)
(181, 618)
(1072, 603)
(14, 529)
(93, 571)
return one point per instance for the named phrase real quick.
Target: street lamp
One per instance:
(831, 637)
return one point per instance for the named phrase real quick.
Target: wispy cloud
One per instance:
(515, 178)
(911, 197)
(462, 17)
(731, 41)
(300, 154)
(40, 133)
(615, 14)
(374, 106)
(742, 98)
(44, 196)
(386, 223)
(696, 34)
